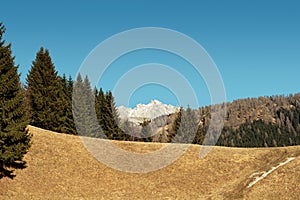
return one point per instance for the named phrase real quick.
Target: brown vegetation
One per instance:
(253, 109)
(59, 167)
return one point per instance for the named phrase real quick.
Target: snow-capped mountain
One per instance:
(150, 111)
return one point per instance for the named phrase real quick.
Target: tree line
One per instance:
(46, 102)
(66, 106)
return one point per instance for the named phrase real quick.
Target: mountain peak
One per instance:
(155, 102)
(151, 110)
(151, 103)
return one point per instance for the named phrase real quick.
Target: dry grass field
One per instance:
(59, 167)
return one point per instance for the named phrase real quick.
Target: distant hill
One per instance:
(269, 109)
(259, 122)
(253, 122)
(59, 167)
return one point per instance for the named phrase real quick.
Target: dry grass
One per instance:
(59, 167)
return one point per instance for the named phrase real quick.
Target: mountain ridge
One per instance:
(148, 111)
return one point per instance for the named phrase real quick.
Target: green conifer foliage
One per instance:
(108, 116)
(43, 85)
(14, 139)
(188, 126)
(84, 109)
(65, 99)
(175, 125)
(112, 117)
(49, 95)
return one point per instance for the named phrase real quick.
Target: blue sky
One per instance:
(255, 44)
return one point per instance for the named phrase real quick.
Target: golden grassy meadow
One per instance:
(59, 167)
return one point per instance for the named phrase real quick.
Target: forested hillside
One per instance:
(259, 122)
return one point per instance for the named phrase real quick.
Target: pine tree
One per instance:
(146, 131)
(84, 110)
(65, 99)
(109, 123)
(112, 117)
(49, 95)
(107, 114)
(99, 100)
(43, 85)
(114, 110)
(199, 137)
(91, 118)
(14, 139)
(188, 127)
(70, 84)
(175, 125)
(77, 105)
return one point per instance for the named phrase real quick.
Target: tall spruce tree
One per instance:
(65, 97)
(84, 108)
(100, 108)
(77, 104)
(43, 85)
(70, 84)
(175, 125)
(14, 139)
(112, 117)
(188, 126)
(48, 93)
(108, 116)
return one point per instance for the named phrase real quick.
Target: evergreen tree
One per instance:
(107, 114)
(199, 137)
(146, 131)
(65, 99)
(43, 85)
(49, 95)
(70, 84)
(114, 110)
(175, 125)
(99, 106)
(188, 127)
(77, 105)
(113, 117)
(110, 126)
(14, 139)
(84, 109)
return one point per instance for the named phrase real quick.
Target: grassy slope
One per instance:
(59, 167)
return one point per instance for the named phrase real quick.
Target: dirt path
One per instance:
(261, 175)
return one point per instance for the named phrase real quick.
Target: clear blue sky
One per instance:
(255, 44)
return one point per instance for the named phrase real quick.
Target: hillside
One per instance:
(271, 109)
(59, 167)
(270, 121)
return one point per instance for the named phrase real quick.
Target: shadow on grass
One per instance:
(8, 171)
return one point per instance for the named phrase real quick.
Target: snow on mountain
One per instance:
(150, 111)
